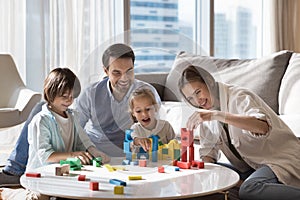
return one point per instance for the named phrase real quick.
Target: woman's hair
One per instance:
(142, 92)
(118, 50)
(190, 74)
(60, 81)
(197, 74)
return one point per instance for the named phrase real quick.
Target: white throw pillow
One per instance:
(289, 93)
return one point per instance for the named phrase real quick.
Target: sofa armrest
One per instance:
(157, 80)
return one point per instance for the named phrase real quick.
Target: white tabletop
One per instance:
(171, 185)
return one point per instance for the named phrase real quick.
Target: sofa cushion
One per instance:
(262, 76)
(289, 93)
(158, 82)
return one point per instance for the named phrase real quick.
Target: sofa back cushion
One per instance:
(157, 80)
(289, 93)
(263, 76)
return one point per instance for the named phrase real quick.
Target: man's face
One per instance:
(121, 74)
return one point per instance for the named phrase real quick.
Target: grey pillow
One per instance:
(262, 76)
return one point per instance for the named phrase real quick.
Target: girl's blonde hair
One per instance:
(141, 92)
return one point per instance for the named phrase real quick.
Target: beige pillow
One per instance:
(262, 76)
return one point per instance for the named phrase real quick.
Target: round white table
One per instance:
(185, 183)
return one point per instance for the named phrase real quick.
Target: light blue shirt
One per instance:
(104, 118)
(44, 137)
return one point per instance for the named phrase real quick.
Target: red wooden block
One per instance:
(198, 164)
(183, 153)
(174, 162)
(161, 169)
(81, 177)
(35, 175)
(143, 163)
(191, 153)
(184, 165)
(94, 186)
(187, 138)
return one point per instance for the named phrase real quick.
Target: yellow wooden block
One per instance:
(159, 154)
(109, 167)
(151, 142)
(115, 168)
(134, 177)
(119, 189)
(134, 156)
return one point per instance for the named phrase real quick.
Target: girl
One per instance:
(144, 108)
(54, 133)
(253, 138)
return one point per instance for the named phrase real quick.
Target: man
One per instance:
(103, 107)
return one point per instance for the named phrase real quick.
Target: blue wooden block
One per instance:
(125, 162)
(117, 182)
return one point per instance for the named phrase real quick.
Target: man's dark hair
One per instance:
(118, 50)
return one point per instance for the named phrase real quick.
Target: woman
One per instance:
(250, 134)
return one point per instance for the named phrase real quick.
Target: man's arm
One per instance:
(82, 105)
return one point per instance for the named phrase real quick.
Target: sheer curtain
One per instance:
(69, 34)
(286, 25)
(12, 41)
(12, 34)
(78, 31)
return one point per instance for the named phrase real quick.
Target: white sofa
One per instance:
(275, 78)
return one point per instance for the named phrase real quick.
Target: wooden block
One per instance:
(109, 167)
(183, 165)
(81, 177)
(172, 168)
(94, 186)
(119, 189)
(117, 182)
(143, 163)
(197, 164)
(34, 175)
(174, 162)
(61, 170)
(134, 177)
(161, 169)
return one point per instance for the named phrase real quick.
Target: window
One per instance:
(159, 29)
(237, 28)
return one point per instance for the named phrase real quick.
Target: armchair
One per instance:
(16, 101)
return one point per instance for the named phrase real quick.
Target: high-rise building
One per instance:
(235, 34)
(154, 33)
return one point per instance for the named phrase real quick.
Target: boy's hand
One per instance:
(96, 153)
(85, 157)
